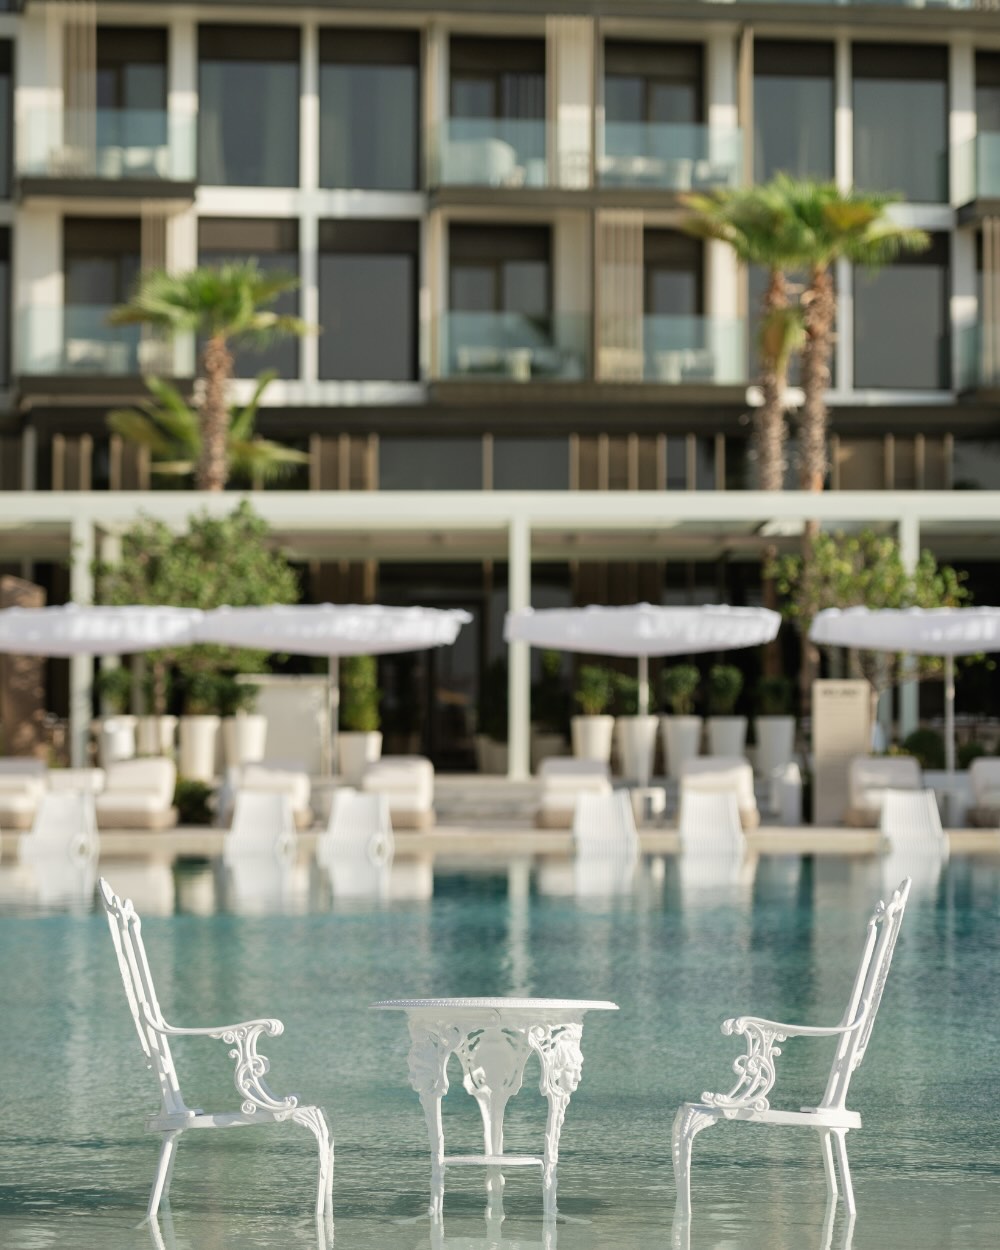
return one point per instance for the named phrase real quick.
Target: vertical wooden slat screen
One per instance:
(619, 268)
(990, 318)
(78, 20)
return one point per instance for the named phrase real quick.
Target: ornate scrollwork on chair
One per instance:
(755, 1070)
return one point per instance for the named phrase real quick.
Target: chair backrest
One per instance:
(263, 828)
(126, 933)
(869, 777)
(984, 777)
(911, 821)
(866, 993)
(357, 846)
(607, 844)
(64, 830)
(712, 839)
(720, 773)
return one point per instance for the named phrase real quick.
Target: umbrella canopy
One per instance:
(332, 629)
(920, 631)
(95, 629)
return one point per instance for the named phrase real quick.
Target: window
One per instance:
(368, 290)
(901, 326)
(651, 82)
(101, 258)
(503, 269)
(793, 101)
(4, 307)
(530, 463)
(131, 68)
(369, 92)
(976, 464)
(274, 245)
(430, 463)
(674, 274)
(901, 120)
(498, 78)
(988, 92)
(248, 115)
(6, 117)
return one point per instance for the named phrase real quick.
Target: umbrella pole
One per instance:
(332, 710)
(949, 716)
(643, 704)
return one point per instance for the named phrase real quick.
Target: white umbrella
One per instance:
(332, 630)
(919, 631)
(95, 629)
(642, 630)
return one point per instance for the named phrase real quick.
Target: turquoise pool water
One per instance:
(75, 1163)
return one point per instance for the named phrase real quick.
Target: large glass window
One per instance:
(901, 327)
(497, 78)
(530, 463)
(274, 245)
(248, 108)
(369, 93)
(988, 92)
(674, 274)
(501, 270)
(793, 100)
(101, 259)
(653, 82)
(6, 118)
(4, 307)
(131, 68)
(430, 463)
(368, 288)
(901, 120)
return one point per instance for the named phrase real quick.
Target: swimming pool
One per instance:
(76, 1164)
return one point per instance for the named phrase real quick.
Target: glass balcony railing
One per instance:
(694, 351)
(106, 143)
(978, 361)
(513, 347)
(978, 168)
(669, 157)
(489, 152)
(78, 341)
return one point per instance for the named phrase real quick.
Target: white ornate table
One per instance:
(493, 1039)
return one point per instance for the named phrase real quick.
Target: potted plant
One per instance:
(682, 729)
(592, 730)
(359, 742)
(116, 729)
(156, 730)
(774, 724)
(199, 726)
(727, 732)
(636, 734)
(244, 733)
(491, 739)
(549, 710)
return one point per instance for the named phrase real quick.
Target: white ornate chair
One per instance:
(258, 1104)
(607, 844)
(62, 847)
(259, 851)
(756, 1071)
(357, 847)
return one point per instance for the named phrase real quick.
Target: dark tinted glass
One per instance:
(248, 107)
(901, 120)
(430, 463)
(653, 82)
(100, 260)
(4, 307)
(131, 68)
(673, 274)
(988, 91)
(497, 78)
(6, 119)
(793, 109)
(530, 463)
(901, 327)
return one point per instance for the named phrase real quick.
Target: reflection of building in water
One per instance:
(148, 883)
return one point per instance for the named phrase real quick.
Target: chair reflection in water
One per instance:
(756, 1071)
(607, 844)
(356, 850)
(62, 847)
(713, 845)
(916, 845)
(258, 1105)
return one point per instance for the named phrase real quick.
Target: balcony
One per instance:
(78, 342)
(978, 363)
(978, 172)
(665, 157)
(694, 351)
(513, 347)
(124, 146)
(489, 152)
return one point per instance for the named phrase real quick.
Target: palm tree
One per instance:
(753, 222)
(825, 225)
(171, 430)
(222, 306)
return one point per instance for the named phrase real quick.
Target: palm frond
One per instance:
(242, 420)
(264, 461)
(137, 427)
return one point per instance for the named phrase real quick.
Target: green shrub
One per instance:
(234, 696)
(927, 747)
(678, 685)
(202, 693)
(193, 800)
(114, 687)
(775, 696)
(725, 685)
(595, 688)
(359, 694)
(626, 689)
(968, 752)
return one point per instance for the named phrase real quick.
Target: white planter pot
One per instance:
(636, 746)
(775, 743)
(155, 735)
(117, 739)
(727, 735)
(592, 737)
(354, 752)
(544, 746)
(681, 741)
(198, 736)
(491, 756)
(245, 736)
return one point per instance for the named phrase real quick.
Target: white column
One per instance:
(309, 121)
(909, 550)
(435, 114)
(843, 125)
(722, 115)
(182, 97)
(843, 379)
(81, 667)
(111, 553)
(519, 666)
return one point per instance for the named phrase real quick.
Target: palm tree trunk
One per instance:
(769, 437)
(217, 367)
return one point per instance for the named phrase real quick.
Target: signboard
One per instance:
(841, 729)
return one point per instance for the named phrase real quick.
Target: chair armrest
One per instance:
(756, 1071)
(251, 1068)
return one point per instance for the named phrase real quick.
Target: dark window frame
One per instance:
(649, 62)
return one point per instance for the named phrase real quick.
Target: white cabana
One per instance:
(943, 632)
(95, 629)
